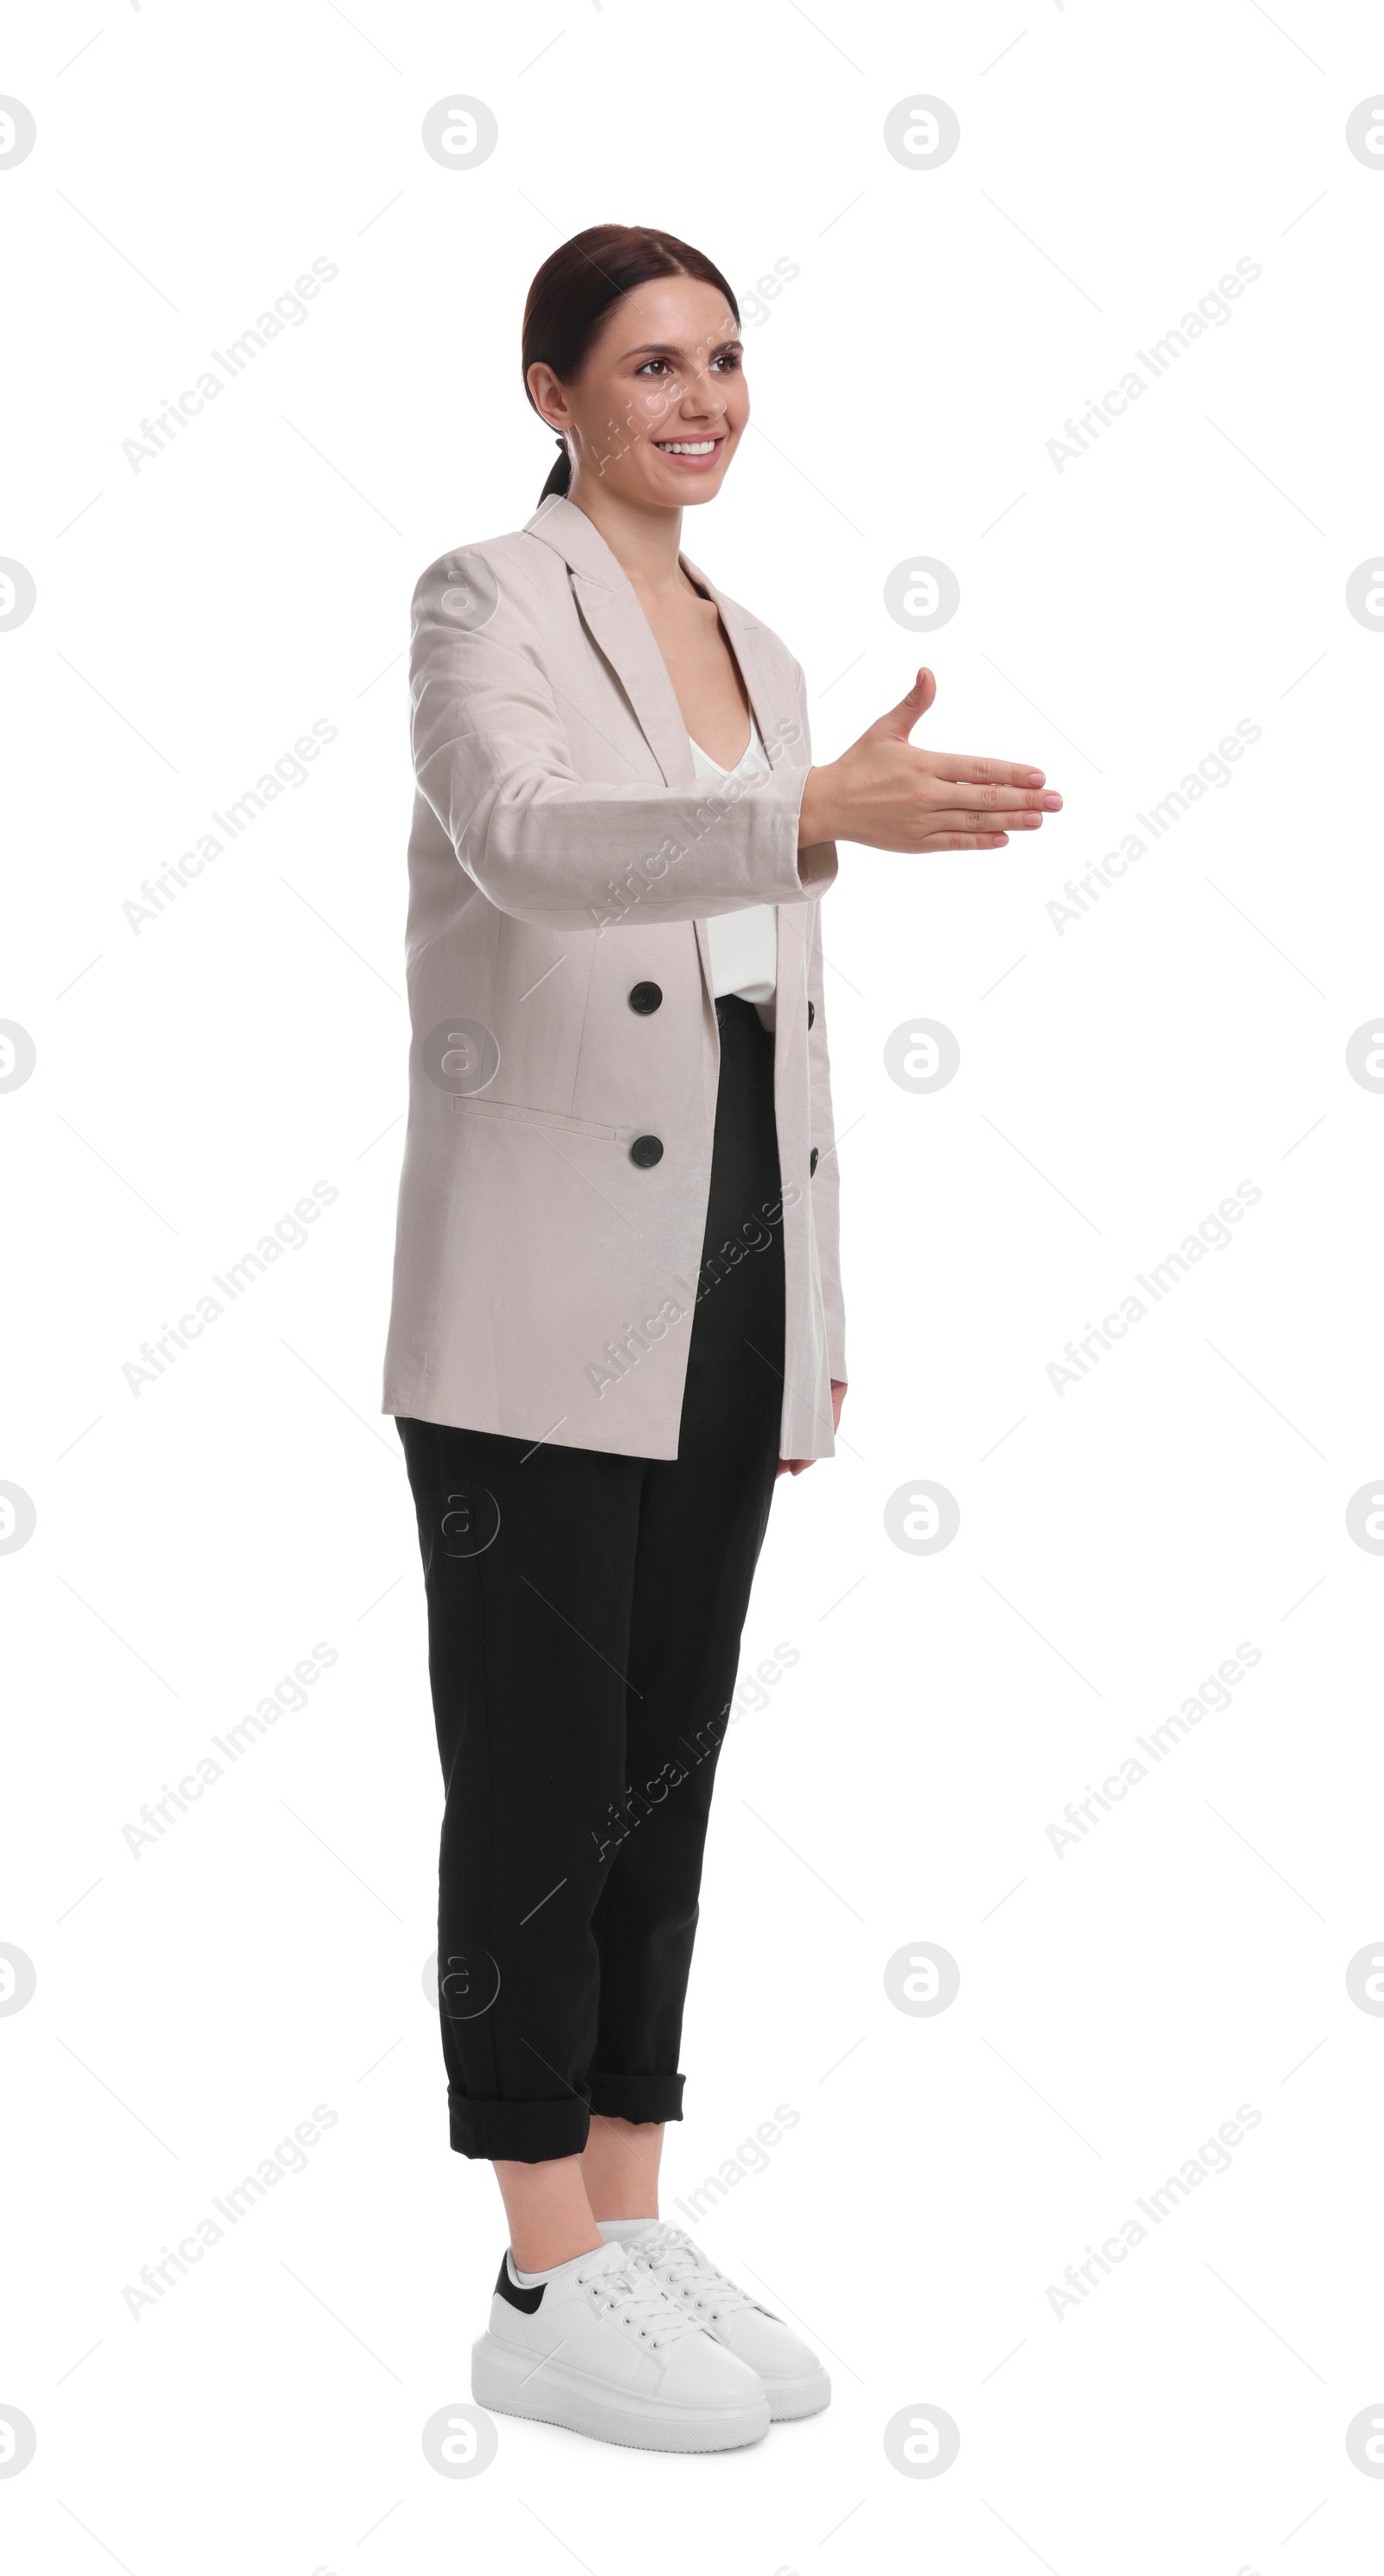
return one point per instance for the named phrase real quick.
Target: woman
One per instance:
(617, 1314)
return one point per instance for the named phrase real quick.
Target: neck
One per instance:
(643, 540)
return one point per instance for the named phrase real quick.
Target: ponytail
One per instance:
(560, 479)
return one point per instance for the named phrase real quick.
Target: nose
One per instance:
(703, 398)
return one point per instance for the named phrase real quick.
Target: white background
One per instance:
(198, 1073)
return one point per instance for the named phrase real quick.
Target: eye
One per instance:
(648, 363)
(729, 359)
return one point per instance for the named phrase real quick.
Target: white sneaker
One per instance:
(793, 2379)
(597, 2345)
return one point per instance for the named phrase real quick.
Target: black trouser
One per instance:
(584, 1619)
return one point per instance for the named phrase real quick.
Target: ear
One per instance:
(548, 397)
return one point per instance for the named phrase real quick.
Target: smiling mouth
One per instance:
(692, 451)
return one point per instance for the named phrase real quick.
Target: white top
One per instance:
(744, 945)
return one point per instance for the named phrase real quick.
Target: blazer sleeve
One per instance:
(491, 760)
(826, 1180)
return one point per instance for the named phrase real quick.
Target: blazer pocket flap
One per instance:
(473, 1106)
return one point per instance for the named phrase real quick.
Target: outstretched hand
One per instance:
(891, 796)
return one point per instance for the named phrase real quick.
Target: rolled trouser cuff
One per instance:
(526, 2133)
(637, 2097)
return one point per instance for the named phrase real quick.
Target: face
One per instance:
(656, 412)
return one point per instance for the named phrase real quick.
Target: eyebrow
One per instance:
(667, 349)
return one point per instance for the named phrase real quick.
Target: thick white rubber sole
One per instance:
(507, 2382)
(789, 2398)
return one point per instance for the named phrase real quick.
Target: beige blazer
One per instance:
(562, 1094)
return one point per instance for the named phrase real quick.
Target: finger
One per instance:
(961, 841)
(969, 798)
(900, 720)
(958, 819)
(987, 773)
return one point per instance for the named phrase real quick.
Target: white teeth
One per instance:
(685, 446)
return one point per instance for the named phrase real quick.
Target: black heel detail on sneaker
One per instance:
(526, 2300)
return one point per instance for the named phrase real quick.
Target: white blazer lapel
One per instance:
(617, 623)
(611, 613)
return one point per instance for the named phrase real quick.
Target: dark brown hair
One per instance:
(575, 289)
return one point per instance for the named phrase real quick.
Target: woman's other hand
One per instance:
(795, 1466)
